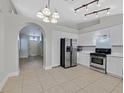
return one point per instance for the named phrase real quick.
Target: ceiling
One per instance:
(31, 30)
(65, 8)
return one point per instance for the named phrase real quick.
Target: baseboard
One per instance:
(47, 68)
(6, 78)
(55, 65)
(3, 83)
(116, 76)
(13, 74)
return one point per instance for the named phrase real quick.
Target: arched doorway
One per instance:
(31, 45)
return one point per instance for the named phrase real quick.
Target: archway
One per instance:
(33, 30)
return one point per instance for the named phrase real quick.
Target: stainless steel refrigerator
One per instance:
(68, 52)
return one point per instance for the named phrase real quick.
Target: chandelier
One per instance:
(47, 15)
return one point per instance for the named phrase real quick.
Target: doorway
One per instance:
(31, 47)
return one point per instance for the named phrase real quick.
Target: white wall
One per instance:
(5, 5)
(41, 46)
(2, 62)
(24, 42)
(56, 36)
(34, 47)
(11, 25)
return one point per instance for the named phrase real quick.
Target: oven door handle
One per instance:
(98, 57)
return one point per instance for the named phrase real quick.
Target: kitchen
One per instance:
(110, 27)
(93, 30)
(114, 59)
(98, 50)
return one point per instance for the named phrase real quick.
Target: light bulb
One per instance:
(86, 8)
(85, 18)
(40, 15)
(98, 4)
(56, 15)
(53, 20)
(108, 12)
(97, 15)
(46, 11)
(46, 19)
(75, 11)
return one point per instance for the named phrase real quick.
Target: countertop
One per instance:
(116, 54)
(113, 54)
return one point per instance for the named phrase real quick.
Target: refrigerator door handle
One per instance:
(71, 49)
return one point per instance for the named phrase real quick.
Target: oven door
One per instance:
(98, 62)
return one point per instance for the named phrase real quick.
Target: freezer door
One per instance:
(67, 52)
(74, 52)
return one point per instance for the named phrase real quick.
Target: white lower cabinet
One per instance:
(84, 59)
(115, 66)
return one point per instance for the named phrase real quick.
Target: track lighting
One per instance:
(98, 4)
(96, 12)
(86, 8)
(74, 11)
(108, 12)
(86, 5)
(85, 18)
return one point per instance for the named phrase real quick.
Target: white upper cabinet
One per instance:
(116, 35)
(87, 39)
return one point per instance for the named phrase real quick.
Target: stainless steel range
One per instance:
(98, 60)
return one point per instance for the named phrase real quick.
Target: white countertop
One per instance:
(116, 54)
(86, 52)
(113, 54)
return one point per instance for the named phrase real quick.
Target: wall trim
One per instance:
(6, 78)
(48, 67)
(3, 83)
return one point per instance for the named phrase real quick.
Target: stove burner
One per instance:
(98, 54)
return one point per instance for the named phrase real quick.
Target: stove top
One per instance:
(98, 54)
(101, 52)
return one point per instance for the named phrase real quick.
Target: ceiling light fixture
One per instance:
(98, 4)
(47, 15)
(85, 18)
(96, 12)
(86, 8)
(108, 12)
(86, 5)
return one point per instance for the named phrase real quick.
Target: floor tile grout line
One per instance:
(114, 87)
(40, 84)
(91, 83)
(70, 80)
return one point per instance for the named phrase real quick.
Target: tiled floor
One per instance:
(33, 79)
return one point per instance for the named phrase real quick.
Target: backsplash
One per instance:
(114, 48)
(117, 49)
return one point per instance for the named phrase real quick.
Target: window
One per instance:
(33, 38)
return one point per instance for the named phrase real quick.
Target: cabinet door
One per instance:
(84, 59)
(116, 34)
(115, 66)
(87, 39)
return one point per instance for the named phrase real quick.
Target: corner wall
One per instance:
(2, 69)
